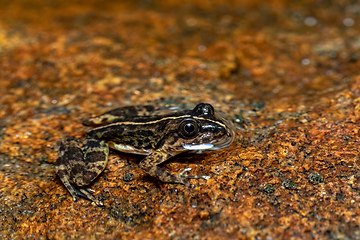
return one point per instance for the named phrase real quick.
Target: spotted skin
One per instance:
(141, 130)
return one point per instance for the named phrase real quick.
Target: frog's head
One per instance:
(202, 130)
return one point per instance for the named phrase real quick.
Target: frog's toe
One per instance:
(85, 193)
(90, 190)
(198, 176)
(184, 176)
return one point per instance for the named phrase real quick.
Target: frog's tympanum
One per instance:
(140, 130)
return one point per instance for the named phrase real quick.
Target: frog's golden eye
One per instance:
(189, 128)
(204, 109)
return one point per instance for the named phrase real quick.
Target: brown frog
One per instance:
(141, 130)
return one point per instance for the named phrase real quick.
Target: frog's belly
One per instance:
(128, 149)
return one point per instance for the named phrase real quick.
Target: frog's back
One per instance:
(130, 113)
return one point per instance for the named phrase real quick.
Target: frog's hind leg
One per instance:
(68, 152)
(78, 167)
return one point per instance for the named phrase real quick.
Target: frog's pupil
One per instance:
(189, 128)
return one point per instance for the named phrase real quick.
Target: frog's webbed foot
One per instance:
(184, 176)
(192, 176)
(86, 193)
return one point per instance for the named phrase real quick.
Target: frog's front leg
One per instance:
(78, 166)
(150, 166)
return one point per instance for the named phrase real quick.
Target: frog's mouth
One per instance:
(214, 145)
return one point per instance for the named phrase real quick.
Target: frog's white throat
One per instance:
(198, 147)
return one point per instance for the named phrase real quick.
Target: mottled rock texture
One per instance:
(286, 72)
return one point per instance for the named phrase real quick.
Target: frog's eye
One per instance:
(188, 128)
(204, 109)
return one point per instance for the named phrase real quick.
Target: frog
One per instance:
(159, 134)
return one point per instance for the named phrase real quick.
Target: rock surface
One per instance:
(286, 72)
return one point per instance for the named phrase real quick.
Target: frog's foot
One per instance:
(184, 176)
(85, 193)
(191, 176)
(79, 192)
(150, 166)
